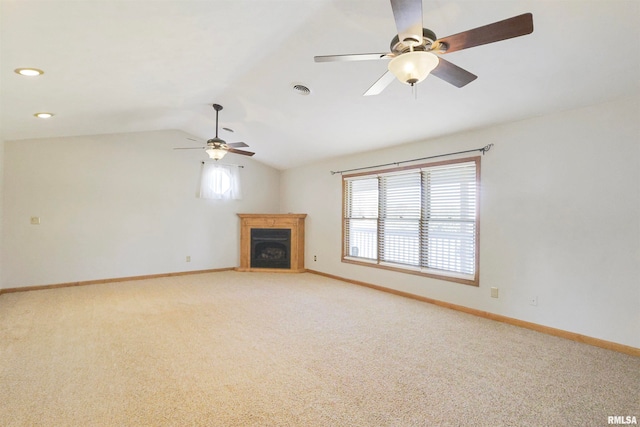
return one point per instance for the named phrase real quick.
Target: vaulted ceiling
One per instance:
(129, 66)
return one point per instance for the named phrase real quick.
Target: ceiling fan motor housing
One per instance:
(217, 142)
(428, 37)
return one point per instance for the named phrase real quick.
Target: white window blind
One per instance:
(422, 219)
(400, 207)
(449, 222)
(361, 218)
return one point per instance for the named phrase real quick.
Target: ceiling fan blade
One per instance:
(502, 30)
(381, 84)
(350, 57)
(244, 153)
(408, 17)
(453, 74)
(237, 144)
(192, 139)
(190, 148)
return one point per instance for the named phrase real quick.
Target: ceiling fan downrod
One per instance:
(217, 107)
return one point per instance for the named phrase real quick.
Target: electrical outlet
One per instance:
(188, 258)
(494, 292)
(315, 258)
(35, 220)
(533, 300)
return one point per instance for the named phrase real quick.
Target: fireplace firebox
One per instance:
(270, 248)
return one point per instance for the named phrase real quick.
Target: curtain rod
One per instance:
(483, 150)
(223, 164)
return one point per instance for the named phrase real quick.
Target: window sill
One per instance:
(434, 274)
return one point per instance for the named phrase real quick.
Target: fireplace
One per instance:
(272, 243)
(270, 248)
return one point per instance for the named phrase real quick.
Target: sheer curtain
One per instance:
(219, 181)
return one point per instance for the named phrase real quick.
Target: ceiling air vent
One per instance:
(301, 89)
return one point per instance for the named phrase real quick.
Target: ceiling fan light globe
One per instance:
(216, 153)
(413, 67)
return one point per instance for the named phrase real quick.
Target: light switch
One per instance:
(35, 220)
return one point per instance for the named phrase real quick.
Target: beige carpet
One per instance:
(249, 349)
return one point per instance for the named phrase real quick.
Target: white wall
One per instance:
(560, 220)
(119, 205)
(1, 201)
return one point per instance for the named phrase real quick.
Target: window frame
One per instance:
(418, 270)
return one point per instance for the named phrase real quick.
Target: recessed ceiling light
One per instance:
(29, 72)
(43, 115)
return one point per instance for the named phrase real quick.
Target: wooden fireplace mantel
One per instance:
(294, 222)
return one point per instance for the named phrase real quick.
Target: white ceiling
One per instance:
(127, 66)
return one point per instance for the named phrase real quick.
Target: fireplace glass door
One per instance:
(271, 248)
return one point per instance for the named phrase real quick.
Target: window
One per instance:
(218, 181)
(421, 220)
